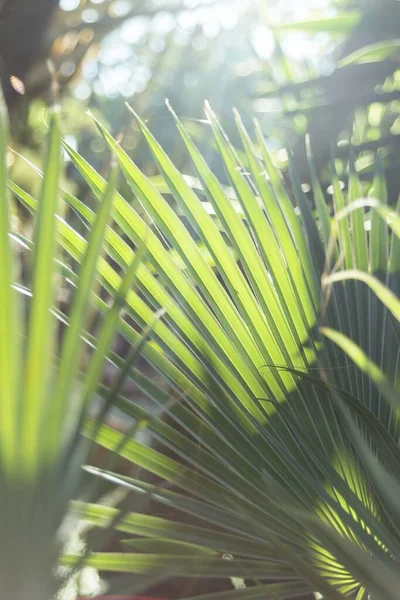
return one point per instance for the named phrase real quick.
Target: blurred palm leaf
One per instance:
(42, 401)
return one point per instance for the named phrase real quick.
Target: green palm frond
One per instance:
(261, 384)
(42, 406)
(281, 356)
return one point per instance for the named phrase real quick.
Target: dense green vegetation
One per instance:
(247, 306)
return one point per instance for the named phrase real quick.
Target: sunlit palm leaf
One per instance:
(258, 436)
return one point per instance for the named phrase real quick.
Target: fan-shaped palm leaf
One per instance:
(261, 426)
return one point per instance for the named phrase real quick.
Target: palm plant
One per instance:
(277, 431)
(276, 328)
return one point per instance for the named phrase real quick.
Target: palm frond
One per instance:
(282, 367)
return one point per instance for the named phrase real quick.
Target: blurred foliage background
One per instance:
(328, 67)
